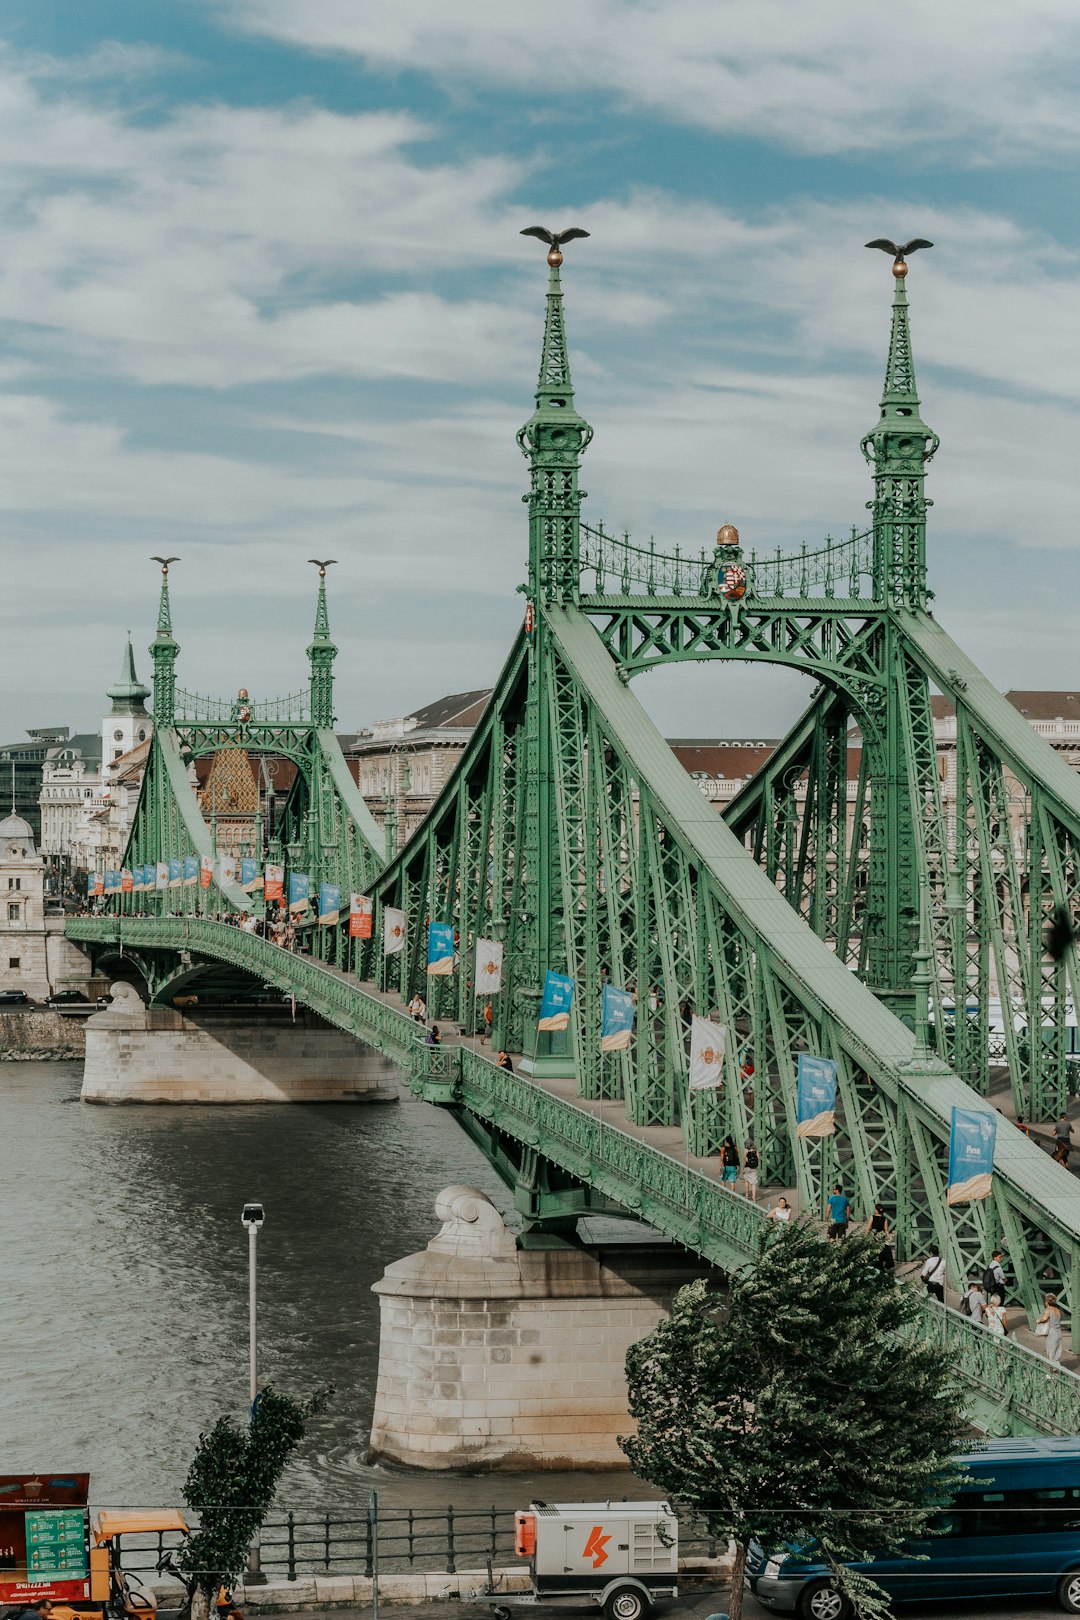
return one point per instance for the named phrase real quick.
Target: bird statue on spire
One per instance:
(899, 253)
(322, 565)
(165, 561)
(554, 239)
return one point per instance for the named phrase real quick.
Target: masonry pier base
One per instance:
(498, 1357)
(140, 1054)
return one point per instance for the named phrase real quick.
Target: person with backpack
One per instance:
(933, 1275)
(993, 1277)
(973, 1303)
(729, 1163)
(751, 1169)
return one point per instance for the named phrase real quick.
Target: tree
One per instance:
(231, 1484)
(800, 1406)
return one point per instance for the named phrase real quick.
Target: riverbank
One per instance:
(40, 1035)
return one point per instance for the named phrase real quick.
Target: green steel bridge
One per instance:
(876, 924)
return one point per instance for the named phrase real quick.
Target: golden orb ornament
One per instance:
(554, 258)
(900, 269)
(243, 692)
(727, 535)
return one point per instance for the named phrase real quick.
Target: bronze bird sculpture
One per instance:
(554, 239)
(899, 252)
(322, 566)
(165, 561)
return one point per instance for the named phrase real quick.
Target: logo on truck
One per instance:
(594, 1547)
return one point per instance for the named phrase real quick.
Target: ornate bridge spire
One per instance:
(553, 439)
(899, 448)
(163, 650)
(321, 654)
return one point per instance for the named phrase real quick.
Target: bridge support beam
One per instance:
(140, 1054)
(512, 1358)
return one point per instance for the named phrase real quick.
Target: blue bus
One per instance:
(1013, 1530)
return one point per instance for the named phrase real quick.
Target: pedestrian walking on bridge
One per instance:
(1048, 1327)
(933, 1275)
(839, 1211)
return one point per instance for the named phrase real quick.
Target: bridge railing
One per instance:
(618, 567)
(193, 709)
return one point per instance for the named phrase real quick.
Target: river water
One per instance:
(123, 1274)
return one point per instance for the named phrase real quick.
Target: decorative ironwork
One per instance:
(192, 709)
(612, 565)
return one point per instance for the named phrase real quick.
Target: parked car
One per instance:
(14, 998)
(65, 998)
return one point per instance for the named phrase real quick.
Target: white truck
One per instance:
(622, 1557)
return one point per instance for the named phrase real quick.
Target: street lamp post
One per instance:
(252, 1219)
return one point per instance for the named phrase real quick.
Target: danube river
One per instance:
(123, 1273)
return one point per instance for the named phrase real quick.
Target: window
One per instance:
(13, 961)
(14, 883)
(1017, 1513)
(13, 913)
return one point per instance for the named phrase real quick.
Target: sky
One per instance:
(263, 298)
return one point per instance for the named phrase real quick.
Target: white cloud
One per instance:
(835, 76)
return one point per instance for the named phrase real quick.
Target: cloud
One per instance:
(837, 76)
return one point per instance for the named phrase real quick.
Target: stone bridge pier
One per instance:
(136, 1053)
(496, 1356)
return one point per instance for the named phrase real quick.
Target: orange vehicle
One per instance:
(50, 1549)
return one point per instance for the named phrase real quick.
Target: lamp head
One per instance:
(253, 1217)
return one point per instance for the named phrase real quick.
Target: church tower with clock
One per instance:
(127, 724)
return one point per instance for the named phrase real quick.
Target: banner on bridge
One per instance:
(206, 871)
(112, 882)
(440, 949)
(191, 870)
(161, 875)
(176, 872)
(708, 1043)
(329, 903)
(555, 1003)
(251, 878)
(299, 893)
(393, 931)
(971, 1155)
(127, 881)
(616, 1019)
(489, 966)
(361, 913)
(817, 1096)
(226, 869)
(274, 882)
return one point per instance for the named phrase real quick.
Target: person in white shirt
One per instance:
(975, 1300)
(933, 1275)
(781, 1210)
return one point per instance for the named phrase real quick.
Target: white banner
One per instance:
(489, 960)
(393, 931)
(707, 1044)
(226, 869)
(162, 875)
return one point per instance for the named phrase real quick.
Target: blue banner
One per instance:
(250, 876)
(440, 948)
(971, 1154)
(191, 869)
(817, 1096)
(299, 891)
(616, 1019)
(555, 1005)
(329, 902)
(112, 882)
(176, 873)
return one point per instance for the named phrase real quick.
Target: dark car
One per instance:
(14, 998)
(64, 998)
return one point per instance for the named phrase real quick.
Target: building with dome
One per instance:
(34, 955)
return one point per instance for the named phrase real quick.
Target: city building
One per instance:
(35, 957)
(90, 784)
(401, 765)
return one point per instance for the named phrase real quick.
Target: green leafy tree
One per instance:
(799, 1406)
(231, 1484)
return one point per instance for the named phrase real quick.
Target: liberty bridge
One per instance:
(571, 835)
